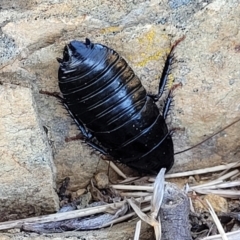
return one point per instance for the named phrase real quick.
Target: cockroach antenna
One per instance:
(221, 130)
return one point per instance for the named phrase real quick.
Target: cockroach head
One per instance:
(75, 51)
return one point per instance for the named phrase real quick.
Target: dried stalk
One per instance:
(137, 230)
(135, 194)
(69, 215)
(127, 216)
(234, 194)
(228, 175)
(153, 219)
(116, 169)
(220, 185)
(205, 185)
(217, 222)
(231, 236)
(201, 171)
(133, 188)
(60, 216)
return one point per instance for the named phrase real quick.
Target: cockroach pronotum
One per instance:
(112, 109)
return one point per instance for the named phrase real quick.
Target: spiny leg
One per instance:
(166, 72)
(169, 99)
(85, 134)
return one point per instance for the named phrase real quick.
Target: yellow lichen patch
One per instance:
(149, 37)
(149, 49)
(153, 57)
(149, 43)
(110, 30)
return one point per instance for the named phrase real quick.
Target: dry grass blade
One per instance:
(125, 217)
(214, 187)
(227, 169)
(235, 176)
(231, 236)
(205, 185)
(135, 194)
(217, 186)
(133, 188)
(129, 179)
(201, 171)
(150, 220)
(137, 230)
(228, 175)
(158, 193)
(139, 212)
(234, 194)
(61, 216)
(116, 169)
(191, 205)
(217, 222)
(217, 183)
(153, 219)
(76, 214)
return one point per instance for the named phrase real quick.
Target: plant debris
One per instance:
(101, 207)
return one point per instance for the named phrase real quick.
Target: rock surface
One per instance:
(33, 34)
(218, 203)
(27, 185)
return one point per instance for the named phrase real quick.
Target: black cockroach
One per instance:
(112, 109)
